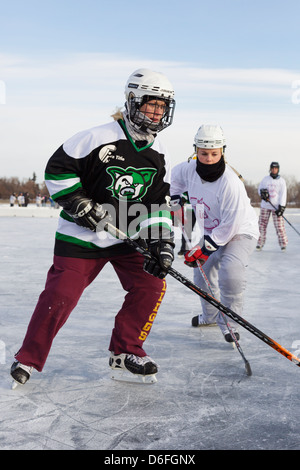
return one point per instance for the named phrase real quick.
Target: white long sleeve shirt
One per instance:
(222, 207)
(277, 192)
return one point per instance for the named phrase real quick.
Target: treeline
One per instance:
(14, 185)
(293, 191)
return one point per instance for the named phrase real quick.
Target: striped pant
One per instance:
(264, 218)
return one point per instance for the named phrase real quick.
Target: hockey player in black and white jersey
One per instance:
(119, 172)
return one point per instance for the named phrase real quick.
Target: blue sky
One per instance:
(64, 64)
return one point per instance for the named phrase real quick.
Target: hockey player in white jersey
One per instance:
(273, 193)
(228, 225)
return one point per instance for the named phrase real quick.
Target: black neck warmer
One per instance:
(211, 172)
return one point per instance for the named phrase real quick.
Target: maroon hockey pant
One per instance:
(66, 281)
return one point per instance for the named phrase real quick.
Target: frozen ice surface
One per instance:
(203, 398)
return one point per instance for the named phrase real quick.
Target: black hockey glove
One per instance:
(86, 212)
(163, 256)
(264, 194)
(280, 210)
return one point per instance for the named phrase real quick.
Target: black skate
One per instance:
(20, 373)
(199, 321)
(229, 338)
(132, 368)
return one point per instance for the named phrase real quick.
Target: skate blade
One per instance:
(208, 325)
(14, 385)
(126, 376)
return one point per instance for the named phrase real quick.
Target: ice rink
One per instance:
(203, 399)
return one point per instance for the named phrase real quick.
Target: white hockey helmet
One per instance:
(210, 137)
(144, 85)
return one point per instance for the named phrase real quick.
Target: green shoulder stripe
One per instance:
(65, 191)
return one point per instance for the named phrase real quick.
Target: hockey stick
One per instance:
(268, 200)
(188, 243)
(210, 299)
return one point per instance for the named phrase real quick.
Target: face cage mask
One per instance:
(142, 122)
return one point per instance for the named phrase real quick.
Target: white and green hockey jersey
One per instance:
(106, 165)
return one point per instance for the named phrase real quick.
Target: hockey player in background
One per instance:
(273, 193)
(227, 222)
(110, 173)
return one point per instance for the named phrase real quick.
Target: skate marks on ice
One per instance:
(197, 403)
(203, 398)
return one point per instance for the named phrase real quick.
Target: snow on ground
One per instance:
(203, 399)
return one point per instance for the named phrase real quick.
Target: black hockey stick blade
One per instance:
(248, 368)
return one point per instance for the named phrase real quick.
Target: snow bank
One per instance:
(30, 211)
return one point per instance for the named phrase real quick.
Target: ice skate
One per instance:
(131, 368)
(199, 321)
(259, 248)
(181, 253)
(228, 336)
(20, 373)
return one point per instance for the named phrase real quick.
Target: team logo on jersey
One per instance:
(130, 183)
(203, 214)
(106, 153)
